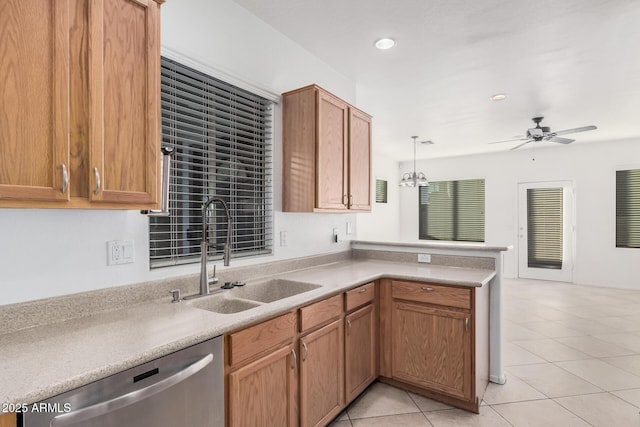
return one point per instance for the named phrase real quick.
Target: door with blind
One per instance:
(545, 231)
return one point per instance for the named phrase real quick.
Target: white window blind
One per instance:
(628, 208)
(544, 227)
(452, 210)
(381, 191)
(221, 137)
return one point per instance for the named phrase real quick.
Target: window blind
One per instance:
(381, 191)
(544, 227)
(452, 210)
(628, 208)
(221, 137)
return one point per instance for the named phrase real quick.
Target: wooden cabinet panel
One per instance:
(259, 338)
(431, 348)
(321, 312)
(326, 153)
(34, 100)
(332, 152)
(359, 160)
(322, 375)
(80, 103)
(263, 392)
(359, 296)
(124, 92)
(8, 420)
(432, 294)
(360, 351)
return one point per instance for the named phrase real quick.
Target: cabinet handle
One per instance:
(362, 291)
(344, 199)
(97, 175)
(350, 200)
(294, 360)
(65, 178)
(424, 288)
(306, 351)
(466, 324)
(348, 326)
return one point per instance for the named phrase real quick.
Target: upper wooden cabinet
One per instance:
(326, 153)
(80, 111)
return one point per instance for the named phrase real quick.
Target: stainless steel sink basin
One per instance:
(222, 304)
(272, 290)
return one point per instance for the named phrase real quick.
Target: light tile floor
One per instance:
(572, 357)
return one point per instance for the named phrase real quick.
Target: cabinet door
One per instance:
(34, 100)
(263, 392)
(431, 348)
(360, 351)
(322, 375)
(8, 420)
(124, 77)
(332, 156)
(359, 161)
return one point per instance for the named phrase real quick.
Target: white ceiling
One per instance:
(576, 62)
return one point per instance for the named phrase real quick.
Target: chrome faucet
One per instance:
(204, 244)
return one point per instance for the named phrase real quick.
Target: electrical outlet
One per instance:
(349, 227)
(424, 258)
(120, 252)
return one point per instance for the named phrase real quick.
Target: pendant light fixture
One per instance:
(415, 179)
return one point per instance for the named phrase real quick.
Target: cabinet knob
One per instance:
(65, 178)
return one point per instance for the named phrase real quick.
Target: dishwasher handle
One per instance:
(132, 397)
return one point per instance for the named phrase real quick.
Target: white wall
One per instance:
(591, 167)
(383, 223)
(49, 252)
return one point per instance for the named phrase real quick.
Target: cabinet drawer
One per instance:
(256, 339)
(359, 296)
(320, 312)
(432, 294)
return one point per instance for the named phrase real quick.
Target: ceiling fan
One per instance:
(543, 133)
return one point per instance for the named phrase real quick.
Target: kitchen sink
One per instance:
(222, 304)
(272, 290)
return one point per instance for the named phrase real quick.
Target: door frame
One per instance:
(568, 247)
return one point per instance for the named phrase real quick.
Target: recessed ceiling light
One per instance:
(498, 97)
(385, 43)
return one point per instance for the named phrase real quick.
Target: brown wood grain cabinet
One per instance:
(434, 340)
(322, 375)
(326, 153)
(8, 420)
(262, 393)
(80, 110)
(360, 350)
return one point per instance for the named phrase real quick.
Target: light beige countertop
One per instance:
(40, 362)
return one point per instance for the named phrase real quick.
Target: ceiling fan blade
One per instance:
(561, 140)
(515, 138)
(520, 145)
(576, 130)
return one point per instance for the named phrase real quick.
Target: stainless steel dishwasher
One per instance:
(185, 388)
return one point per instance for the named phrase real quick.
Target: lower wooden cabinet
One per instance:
(262, 393)
(431, 348)
(8, 420)
(322, 375)
(360, 351)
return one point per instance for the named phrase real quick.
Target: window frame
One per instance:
(234, 155)
(633, 236)
(423, 234)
